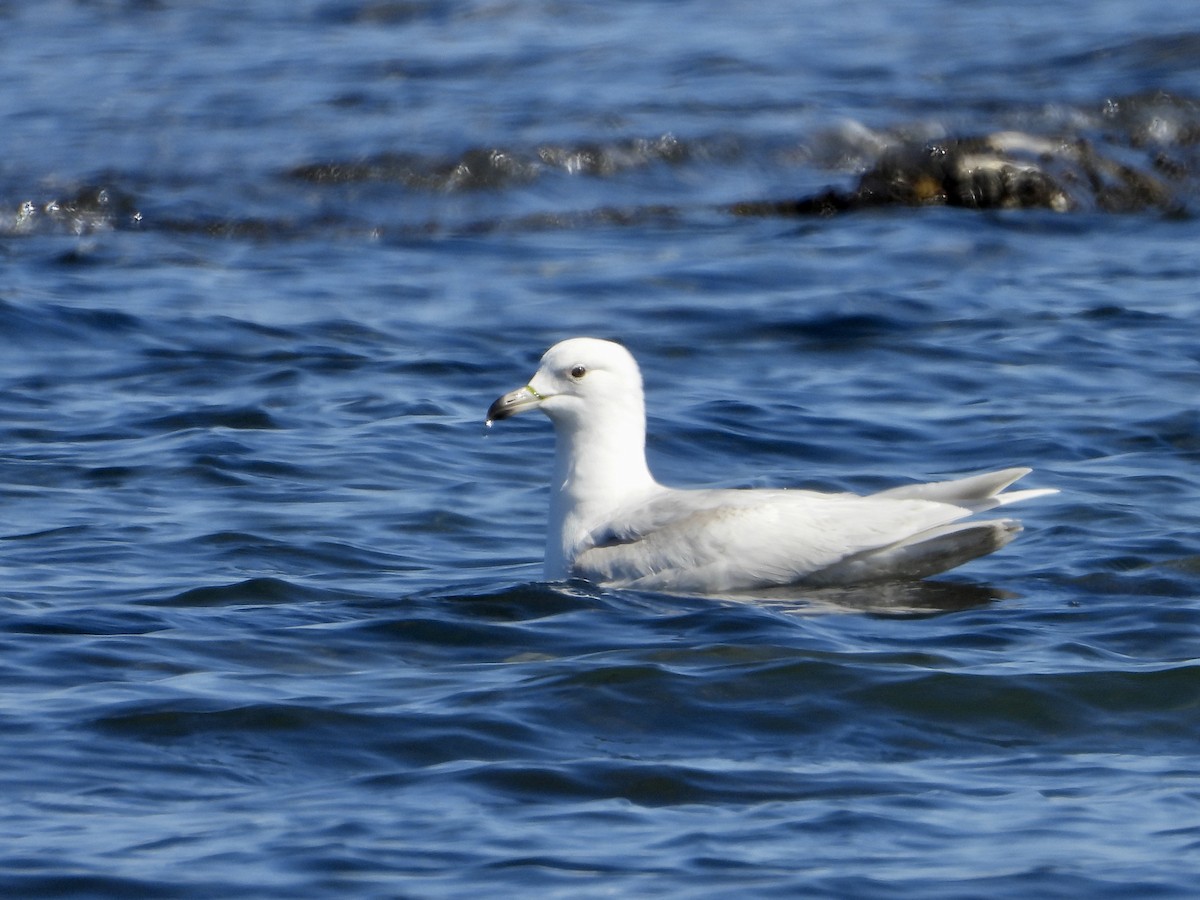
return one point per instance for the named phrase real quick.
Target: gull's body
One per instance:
(612, 523)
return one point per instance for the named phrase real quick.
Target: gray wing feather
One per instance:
(729, 540)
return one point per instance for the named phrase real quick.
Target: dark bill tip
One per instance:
(501, 409)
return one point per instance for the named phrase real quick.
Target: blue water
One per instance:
(271, 617)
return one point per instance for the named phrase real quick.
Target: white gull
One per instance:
(613, 524)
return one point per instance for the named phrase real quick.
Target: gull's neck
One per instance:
(599, 465)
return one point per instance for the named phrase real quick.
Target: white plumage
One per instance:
(612, 523)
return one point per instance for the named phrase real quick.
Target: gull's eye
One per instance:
(578, 372)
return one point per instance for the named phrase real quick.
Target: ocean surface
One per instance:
(272, 622)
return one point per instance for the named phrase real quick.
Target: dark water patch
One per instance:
(1083, 710)
(65, 531)
(80, 884)
(226, 357)
(524, 602)
(523, 624)
(623, 702)
(1179, 432)
(1045, 880)
(251, 592)
(431, 636)
(601, 217)
(54, 325)
(243, 419)
(332, 339)
(1143, 581)
(213, 470)
(416, 742)
(310, 556)
(1160, 56)
(182, 718)
(475, 170)
(442, 367)
(841, 331)
(495, 168)
(385, 12)
(1164, 632)
(80, 622)
(645, 784)
(112, 476)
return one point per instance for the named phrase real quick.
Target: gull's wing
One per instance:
(729, 540)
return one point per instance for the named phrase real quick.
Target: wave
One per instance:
(1131, 154)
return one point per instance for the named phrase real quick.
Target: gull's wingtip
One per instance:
(1018, 496)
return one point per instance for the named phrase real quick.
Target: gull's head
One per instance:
(578, 381)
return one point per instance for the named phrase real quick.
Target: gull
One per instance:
(613, 524)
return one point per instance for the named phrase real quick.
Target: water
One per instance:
(272, 623)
